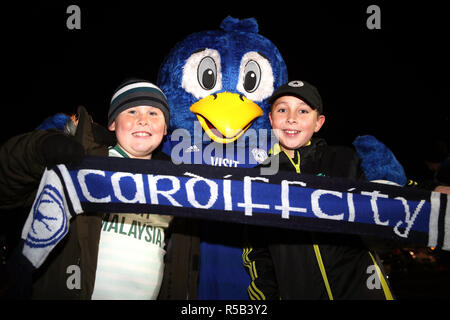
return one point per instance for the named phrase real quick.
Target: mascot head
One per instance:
(222, 78)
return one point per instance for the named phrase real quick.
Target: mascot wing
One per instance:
(378, 161)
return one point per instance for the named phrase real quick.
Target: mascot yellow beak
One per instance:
(225, 116)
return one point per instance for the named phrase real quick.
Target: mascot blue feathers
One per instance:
(57, 121)
(378, 161)
(218, 83)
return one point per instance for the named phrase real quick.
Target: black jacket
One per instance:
(289, 264)
(21, 167)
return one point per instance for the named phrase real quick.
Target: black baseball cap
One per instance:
(300, 89)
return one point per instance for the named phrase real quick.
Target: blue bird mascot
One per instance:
(217, 83)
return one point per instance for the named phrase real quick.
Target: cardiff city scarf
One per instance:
(239, 195)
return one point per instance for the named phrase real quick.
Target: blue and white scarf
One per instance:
(239, 195)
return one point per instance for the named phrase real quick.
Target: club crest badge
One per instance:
(49, 219)
(296, 84)
(260, 155)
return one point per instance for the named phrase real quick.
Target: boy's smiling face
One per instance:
(139, 130)
(294, 122)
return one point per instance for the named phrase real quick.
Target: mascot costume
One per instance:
(217, 84)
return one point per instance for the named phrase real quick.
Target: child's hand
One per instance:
(62, 149)
(443, 189)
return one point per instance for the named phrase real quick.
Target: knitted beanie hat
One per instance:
(138, 92)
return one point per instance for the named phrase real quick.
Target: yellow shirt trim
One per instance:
(322, 271)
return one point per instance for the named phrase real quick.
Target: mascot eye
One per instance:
(201, 73)
(252, 76)
(206, 73)
(255, 77)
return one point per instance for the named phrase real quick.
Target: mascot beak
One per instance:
(226, 116)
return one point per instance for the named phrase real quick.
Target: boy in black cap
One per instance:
(296, 114)
(309, 265)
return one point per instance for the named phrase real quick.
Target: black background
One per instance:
(391, 83)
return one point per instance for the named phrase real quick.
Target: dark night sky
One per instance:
(390, 83)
